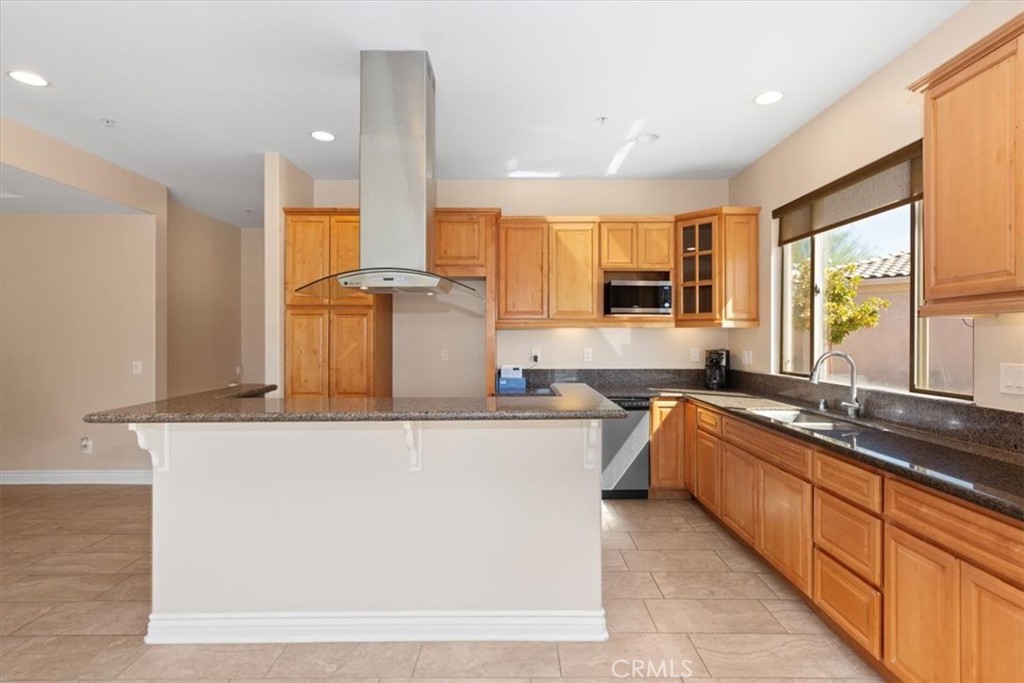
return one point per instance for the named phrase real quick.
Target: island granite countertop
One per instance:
(248, 403)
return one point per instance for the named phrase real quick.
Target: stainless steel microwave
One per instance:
(638, 297)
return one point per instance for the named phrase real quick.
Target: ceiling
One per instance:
(199, 91)
(22, 192)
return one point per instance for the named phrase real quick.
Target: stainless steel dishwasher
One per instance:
(626, 450)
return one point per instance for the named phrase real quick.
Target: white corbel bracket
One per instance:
(590, 445)
(156, 440)
(413, 443)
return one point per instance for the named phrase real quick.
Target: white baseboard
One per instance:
(322, 627)
(76, 476)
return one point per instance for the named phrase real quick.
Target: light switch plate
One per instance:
(1011, 378)
(695, 355)
(748, 357)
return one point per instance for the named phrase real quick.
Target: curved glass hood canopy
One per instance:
(385, 281)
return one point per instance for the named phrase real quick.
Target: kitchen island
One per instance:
(304, 520)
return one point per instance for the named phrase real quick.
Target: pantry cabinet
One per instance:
(973, 235)
(337, 346)
(717, 267)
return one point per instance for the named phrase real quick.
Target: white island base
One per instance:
(375, 531)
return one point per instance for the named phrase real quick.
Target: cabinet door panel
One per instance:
(307, 239)
(922, 610)
(739, 492)
(618, 245)
(351, 350)
(573, 270)
(523, 270)
(667, 445)
(344, 256)
(708, 474)
(689, 445)
(739, 268)
(992, 634)
(784, 532)
(306, 351)
(973, 241)
(851, 602)
(460, 244)
(849, 534)
(654, 246)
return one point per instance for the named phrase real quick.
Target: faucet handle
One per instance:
(852, 408)
(823, 405)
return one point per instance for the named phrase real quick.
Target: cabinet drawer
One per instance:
(709, 421)
(849, 534)
(853, 483)
(985, 541)
(852, 603)
(778, 450)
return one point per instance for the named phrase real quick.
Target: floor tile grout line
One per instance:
(415, 665)
(284, 646)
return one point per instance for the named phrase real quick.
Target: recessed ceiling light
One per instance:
(769, 97)
(648, 137)
(28, 78)
(322, 136)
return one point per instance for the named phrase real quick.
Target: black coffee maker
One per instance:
(716, 368)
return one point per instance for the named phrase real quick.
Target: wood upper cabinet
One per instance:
(708, 471)
(522, 269)
(573, 272)
(306, 341)
(458, 241)
(667, 463)
(306, 249)
(784, 534)
(973, 256)
(343, 255)
(640, 245)
(717, 271)
(922, 610)
(992, 627)
(740, 504)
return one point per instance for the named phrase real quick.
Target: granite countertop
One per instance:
(977, 474)
(248, 403)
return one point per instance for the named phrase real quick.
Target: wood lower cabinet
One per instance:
(708, 471)
(784, 534)
(573, 271)
(973, 256)
(522, 269)
(689, 444)
(306, 341)
(922, 610)
(850, 601)
(667, 464)
(992, 627)
(740, 503)
(849, 534)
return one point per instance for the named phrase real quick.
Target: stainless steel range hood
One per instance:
(396, 179)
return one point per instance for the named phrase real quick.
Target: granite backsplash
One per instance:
(944, 417)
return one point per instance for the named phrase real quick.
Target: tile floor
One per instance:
(679, 592)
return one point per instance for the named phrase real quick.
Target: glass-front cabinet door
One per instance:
(698, 240)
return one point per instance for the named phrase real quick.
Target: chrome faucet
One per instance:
(852, 407)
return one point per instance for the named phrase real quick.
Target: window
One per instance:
(849, 284)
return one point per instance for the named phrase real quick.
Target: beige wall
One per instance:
(252, 341)
(35, 152)
(77, 307)
(561, 348)
(284, 185)
(876, 118)
(204, 314)
(997, 340)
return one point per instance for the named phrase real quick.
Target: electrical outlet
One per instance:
(1011, 378)
(239, 370)
(444, 354)
(136, 367)
(695, 355)
(86, 445)
(534, 355)
(588, 355)
(748, 357)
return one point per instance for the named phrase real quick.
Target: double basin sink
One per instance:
(797, 418)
